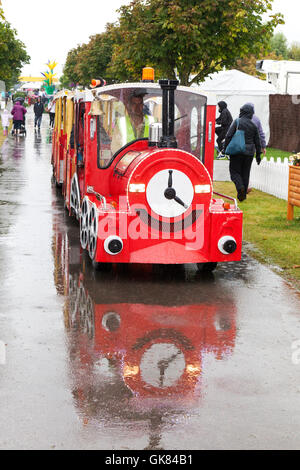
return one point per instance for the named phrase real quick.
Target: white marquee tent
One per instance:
(31, 86)
(237, 88)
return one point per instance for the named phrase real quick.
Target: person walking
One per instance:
(18, 113)
(224, 122)
(51, 109)
(258, 124)
(240, 165)
(38, 113)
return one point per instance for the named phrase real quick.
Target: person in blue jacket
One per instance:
(240, 165)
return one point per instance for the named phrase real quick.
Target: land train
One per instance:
(143, 193)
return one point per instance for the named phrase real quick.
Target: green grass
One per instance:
(276, 153)
(270, 152)
(276, 240)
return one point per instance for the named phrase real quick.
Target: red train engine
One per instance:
(135, 162)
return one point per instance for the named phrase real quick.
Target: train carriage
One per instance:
(144, 194)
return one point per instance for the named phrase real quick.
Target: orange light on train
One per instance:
(130, 370)
(148, 74)
(97, 82)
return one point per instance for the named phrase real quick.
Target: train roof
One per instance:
(92, 94)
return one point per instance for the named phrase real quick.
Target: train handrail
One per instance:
(227, 197)
(90, 190)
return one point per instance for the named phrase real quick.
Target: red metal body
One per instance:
(119, 201)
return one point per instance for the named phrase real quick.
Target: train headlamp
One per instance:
(137, 188)
(227, 245)
(202, 188)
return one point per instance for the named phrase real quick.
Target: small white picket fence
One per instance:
(271, 177)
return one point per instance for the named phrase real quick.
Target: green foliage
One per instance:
(279, 45)
(12, 53)
(89, 61)
(294, 51)
(188, 37)
(69, 76)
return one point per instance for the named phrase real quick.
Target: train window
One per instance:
(124, 115)
(92, 128)
(190, 122)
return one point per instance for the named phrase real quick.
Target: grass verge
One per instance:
(275, 240)
(270, 152)
(276, 153)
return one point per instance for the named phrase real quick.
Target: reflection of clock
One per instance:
(162, 365)
(170, 193)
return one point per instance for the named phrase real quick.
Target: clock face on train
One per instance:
(170, 193)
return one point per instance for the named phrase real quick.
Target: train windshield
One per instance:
(126, 114)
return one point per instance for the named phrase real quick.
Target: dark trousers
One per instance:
(221, 133)
(239, 168)
(52, 117)
(37, 120)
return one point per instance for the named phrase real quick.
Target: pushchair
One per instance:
(22, 130)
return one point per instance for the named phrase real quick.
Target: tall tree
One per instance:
(89, 60)
(70, 77)
(190, 38)
(248, 65)
(279, 45)
(294, 51)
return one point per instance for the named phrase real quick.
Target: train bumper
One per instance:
(124, 238)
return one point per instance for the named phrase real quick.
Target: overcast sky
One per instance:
(50, 29)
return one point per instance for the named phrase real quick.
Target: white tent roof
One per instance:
(31, 86)
(234, 82)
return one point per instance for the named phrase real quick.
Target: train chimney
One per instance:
(168, 110)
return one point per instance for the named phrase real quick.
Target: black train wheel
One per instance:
(206, 267)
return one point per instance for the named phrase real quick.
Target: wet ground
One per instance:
(133, 358)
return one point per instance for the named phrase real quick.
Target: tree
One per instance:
(294, 51)
(248, 65)
(94, 58)
(13, 53)
(190, 38)
(89, 60)
(70, 77)
(279, 45)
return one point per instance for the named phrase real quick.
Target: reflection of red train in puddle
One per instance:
(144, 195)
(137, 341)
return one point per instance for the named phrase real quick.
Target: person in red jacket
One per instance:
(18, 113)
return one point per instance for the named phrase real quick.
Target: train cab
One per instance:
(135, 162)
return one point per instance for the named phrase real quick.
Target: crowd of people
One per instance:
(41, 104)
(254, 140)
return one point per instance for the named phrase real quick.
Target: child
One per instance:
(5, 117)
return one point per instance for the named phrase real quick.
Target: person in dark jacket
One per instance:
(224, 122)
(38, 113)
(258, 124)
(18, 113)
(240, 165)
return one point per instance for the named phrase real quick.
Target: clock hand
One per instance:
(170, 181)
(177, 199)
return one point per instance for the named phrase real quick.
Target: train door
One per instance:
(80, 154)
(70, 152)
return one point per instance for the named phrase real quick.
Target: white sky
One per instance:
(50, 29)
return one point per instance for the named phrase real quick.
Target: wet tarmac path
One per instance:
(133, 358)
